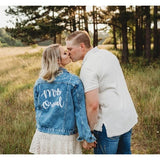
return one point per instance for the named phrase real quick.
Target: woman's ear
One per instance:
(59, 61)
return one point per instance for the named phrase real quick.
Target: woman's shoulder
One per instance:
(39, 81)
(69, 75)
(73, 79)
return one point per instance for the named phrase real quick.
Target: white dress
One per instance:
(44, 143)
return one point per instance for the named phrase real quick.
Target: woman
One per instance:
(60, 107)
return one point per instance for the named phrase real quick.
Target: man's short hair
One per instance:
(80, 37)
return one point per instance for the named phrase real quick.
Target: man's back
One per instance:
(101, 69)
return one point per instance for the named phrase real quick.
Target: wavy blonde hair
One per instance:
(50, 66)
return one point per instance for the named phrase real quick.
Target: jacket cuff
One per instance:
(89, 139)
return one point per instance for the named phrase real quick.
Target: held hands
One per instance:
(88, 146)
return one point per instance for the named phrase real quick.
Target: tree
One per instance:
(36, 23)
(155, 33)
(114, 20)
(70, 13)
(95, 28)
(131, 26)
(139, 31)
(7, 40)
(109, 16)
(147, 34)
(123, 19)
(85, 18)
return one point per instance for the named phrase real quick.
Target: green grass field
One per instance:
(19, 69)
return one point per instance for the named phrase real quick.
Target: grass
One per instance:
(18, 73)
(144, 86)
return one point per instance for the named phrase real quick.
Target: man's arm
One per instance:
(92, 107)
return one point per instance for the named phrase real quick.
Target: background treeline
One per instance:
(129, 26)
(6, 39)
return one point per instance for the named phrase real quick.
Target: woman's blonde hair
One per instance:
(50, 59)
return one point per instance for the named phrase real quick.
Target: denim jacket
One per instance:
(60, 107)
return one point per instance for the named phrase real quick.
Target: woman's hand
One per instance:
(88, 146)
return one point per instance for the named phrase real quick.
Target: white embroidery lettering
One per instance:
(46, 104)
(60, 102)
(48, 93)
(52, 93)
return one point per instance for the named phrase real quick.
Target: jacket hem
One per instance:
(57, 131)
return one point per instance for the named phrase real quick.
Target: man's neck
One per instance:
(86, 51)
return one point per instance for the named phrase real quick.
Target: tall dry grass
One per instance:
(144, 86)
(18, 73)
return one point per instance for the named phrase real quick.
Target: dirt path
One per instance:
(12, 51)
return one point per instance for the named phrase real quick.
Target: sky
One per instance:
(4, 19)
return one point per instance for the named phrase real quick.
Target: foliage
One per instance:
(37, 22)
(44, 22)
(7, 40)
(108, 40)
(34, 45)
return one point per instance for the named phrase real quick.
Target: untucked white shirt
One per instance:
(101, 69)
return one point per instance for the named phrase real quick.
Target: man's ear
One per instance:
(82, 45)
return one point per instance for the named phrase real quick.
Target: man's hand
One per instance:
(88, 146)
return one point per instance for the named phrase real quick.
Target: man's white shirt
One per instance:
(101, 69)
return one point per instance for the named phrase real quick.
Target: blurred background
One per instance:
(132, 33)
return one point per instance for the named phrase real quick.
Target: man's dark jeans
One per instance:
(114, 145)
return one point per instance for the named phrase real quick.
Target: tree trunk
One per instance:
(114, 37)
(147, 34)
(124, 34)
(132, 40)
(54, 39)
(158, 43)
(85, 19)
(74, 19)
(155, 55)
(95, 30)
(138, 34)
(142, 32)
(79, 20)
(54, 34)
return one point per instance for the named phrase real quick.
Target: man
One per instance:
(110, 110)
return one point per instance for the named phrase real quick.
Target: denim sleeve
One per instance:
(80, 114)
(35, 94)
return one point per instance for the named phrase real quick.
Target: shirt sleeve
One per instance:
(81, 115)
(89, 78)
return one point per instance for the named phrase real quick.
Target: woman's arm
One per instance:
(81, 115)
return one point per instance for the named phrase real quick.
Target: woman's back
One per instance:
(54, 104)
